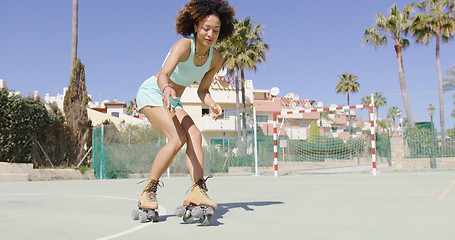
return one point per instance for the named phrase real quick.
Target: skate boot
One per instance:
(147, 203)
(197, 204)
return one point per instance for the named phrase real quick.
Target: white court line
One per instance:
(128, 231)
(161, 210)
(68, 195)
(447, 190)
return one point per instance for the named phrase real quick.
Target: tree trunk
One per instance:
(237, 109)
(242, 74)
(74, 36)
(441, 95)
(404, 93)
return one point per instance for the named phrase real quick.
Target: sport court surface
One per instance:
(391, 205)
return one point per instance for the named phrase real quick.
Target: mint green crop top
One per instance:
(187, 72)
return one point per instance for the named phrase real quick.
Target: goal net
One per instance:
(325, 140)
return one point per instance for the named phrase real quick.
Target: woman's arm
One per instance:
(179, 53)
(203, 90)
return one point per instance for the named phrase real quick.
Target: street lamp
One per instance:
(431, 110)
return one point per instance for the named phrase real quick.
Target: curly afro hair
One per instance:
(197, 10)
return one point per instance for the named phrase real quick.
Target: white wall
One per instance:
(115, 109)
(3, 84)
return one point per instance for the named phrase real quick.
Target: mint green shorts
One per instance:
(149, 94)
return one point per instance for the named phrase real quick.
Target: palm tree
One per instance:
(244, 50)
(130, 106)
(229, 51)
(384, 124)
(253, 50)
(449, 84)
(396, 27)
(74, 36)
(347, 84)
(379, 101)
(435, 21)
(393, 114)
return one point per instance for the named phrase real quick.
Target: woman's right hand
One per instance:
(168, 93)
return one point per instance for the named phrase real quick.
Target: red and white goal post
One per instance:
(304, 154)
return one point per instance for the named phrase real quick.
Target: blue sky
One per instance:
(124, 42)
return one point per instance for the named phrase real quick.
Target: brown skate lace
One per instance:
(201, 184)
(152, 186)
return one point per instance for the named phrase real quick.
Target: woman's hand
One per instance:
(215, 110)
(168, 93)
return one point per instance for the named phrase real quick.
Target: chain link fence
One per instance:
(130, 152)
(425, 141)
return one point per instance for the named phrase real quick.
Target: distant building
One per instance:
(114, 112)
(115, 108)
(98, 113)
(55, 99)
(224, 130)
(3, 83)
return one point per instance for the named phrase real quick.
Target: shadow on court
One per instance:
(224, 208)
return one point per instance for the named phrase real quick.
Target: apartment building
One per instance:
(224, 130)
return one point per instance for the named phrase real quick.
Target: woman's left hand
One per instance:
(215, 110)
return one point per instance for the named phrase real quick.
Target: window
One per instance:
(228, 113)
(115, 114)
(205, 111)
(261, 119)
(225, 114)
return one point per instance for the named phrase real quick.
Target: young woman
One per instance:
(192, 58)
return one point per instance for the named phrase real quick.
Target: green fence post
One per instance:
(101, 153)
(93, 164)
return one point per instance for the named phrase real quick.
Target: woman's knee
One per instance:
(195, 136)
(177, 141)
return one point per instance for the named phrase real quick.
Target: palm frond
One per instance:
(246, 47)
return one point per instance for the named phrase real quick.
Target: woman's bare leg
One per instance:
(194, 157)
(195, 164)
(168, 124)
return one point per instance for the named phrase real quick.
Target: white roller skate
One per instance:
(147, 203)
(197, 204)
